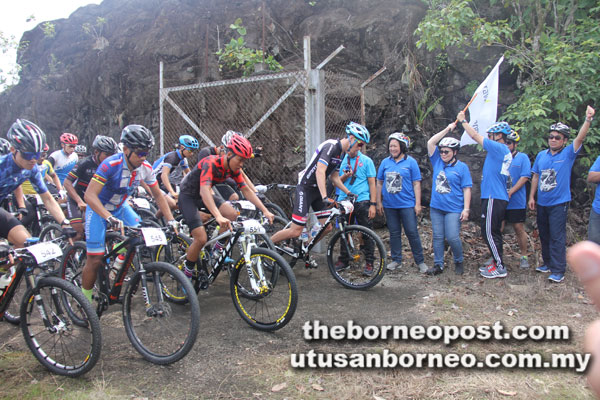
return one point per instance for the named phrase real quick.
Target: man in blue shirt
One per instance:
(594, 224)
(494, 197)
(552, 179)
(359, 178)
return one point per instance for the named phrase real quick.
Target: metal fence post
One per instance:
(161, 101)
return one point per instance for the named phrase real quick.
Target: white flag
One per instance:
(483, 110)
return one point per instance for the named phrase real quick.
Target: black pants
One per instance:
(360, 216)
(492, 215)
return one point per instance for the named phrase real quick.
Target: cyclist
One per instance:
(116, 178)
(79, 178)
(494, 196)
(27, 142)
(81, 151)
(173, 166)
(311, 190)
(65, 159)
(4, 146)
(196, 193)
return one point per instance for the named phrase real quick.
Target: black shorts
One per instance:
(73, 211)
(223, 190)
(190, 206)
(7, 222)
(515, 216)
(306, 197)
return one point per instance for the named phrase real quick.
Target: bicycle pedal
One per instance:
(311, 264)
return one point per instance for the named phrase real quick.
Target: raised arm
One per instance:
(589, 116)
(469, 129)
(431, 143)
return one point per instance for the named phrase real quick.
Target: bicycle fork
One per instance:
(257, 278)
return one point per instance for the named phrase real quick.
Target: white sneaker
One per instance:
(394, 265)
(423, 267)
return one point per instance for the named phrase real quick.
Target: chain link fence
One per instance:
(342, 103)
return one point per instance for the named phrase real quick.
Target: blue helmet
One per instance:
(358, 131)
(189, 142)
(500, 127)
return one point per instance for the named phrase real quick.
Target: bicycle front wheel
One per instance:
(264, 291)
(161, 331)
(59, 344)
(174, 253)
(356, 257)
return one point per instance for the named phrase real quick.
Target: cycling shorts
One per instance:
(74, 212)
(7, 222)
(95, 226)
(306, 197)
(190, 206)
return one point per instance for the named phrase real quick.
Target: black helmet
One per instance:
(26, 136)
(4, 146)
(137, 137)
(105, 144)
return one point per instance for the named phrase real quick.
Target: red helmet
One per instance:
(46, 148)
(240, 146)
(69, 138)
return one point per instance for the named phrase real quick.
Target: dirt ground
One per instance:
(231, 360)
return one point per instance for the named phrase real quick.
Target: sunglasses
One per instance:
(27, 155)
(360, 144)
(142, 152)
(445, 151)
(72, 146)
(508, 142)
(555, 137)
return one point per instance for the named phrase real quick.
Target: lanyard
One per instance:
(355, 166)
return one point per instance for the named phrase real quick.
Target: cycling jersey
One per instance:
(82, 174)
(554, 170)
(63, 163)
(449, 180)
(13, 175)
(398, 178)
(207, 151)
(519, 167)
(209, 171)
(45, 169)
(495, 170)
(176, 162)
(328, 153)
(119, 182)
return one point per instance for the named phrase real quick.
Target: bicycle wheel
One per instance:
(356, 247)
(50, 232)
(64, 347)
(275, 209)
(263, 304)
(11, 315)
(285, 246)
(161, 331)
(174, 253)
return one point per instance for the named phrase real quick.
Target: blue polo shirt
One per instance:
(495, 170)
(596, 202)
(519, 168)
(397, 178)
(365, 169)
(554, 184)
(449, 180)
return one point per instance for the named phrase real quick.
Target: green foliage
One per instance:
(423, 110)
(553, 47)
(95, 30)
(49, 29)
(237, 56)
(10, 77)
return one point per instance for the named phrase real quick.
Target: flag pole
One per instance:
(470, 101)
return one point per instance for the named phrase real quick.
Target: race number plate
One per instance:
(246, 205)
(254, 227)
(45, 251)
(141, 203)
(154, 236)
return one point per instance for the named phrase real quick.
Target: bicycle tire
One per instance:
(173, 254)
(50, 232)
(164, 332)
(271, 306)
(275, 210)
(12, 313)
(73, 348)
(354, 276)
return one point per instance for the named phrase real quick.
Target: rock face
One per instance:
(95, 83)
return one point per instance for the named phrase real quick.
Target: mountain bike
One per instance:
(356, 256)
(262, 284)
(161, 330)
(59, 325)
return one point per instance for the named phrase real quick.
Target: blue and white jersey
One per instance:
(177, 164)
(397, 178)
(449, 181)
(554, 170)
(119, 182)
(63, 163)
(12, 176)
(495, 170)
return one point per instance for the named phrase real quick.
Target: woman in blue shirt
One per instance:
(400, 199)
(450, 198)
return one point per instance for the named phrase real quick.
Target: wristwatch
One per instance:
(372, 203)
(65, 222)
(463, 121)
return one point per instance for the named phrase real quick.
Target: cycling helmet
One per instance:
(120, 147)
(105, 144)
(68, 138)
(4, 146)
(240, 146)
(500, 127)
(513, 136)
(189, 142)
(46, 148)
(450, 143)
(560, 128)
(80, 149)
(358, 131)
(137, 137)
(26, 136)
(402, 138)
(227, 137)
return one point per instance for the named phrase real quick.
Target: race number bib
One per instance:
(45, 251)
(154, 237)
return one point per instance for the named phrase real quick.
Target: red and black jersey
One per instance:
(209, 171)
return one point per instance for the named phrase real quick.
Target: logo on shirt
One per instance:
(393, 182)
(506, 164)
(442, 185)
(547, 180)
